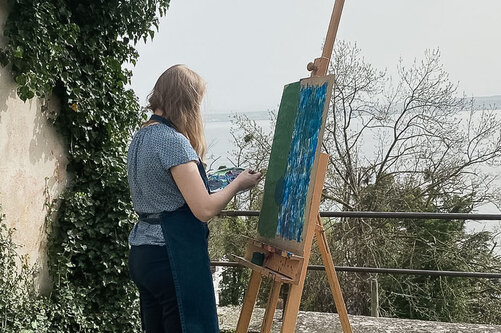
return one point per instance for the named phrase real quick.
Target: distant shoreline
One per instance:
(479, 103)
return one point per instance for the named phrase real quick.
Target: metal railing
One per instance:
(393, 215)
(384, 270)
(377, 270)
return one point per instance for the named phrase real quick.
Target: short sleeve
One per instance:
(174, 149)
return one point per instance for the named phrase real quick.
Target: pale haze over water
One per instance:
(221, 144)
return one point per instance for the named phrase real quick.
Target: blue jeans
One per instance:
(150, 270)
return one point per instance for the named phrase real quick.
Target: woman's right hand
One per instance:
(204, 205)
(247, 179)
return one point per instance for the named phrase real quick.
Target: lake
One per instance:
(220, 144)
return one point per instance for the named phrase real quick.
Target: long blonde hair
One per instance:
(178, 93)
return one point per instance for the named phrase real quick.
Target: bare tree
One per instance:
(413, 145)
(417, 130)
(409, 144)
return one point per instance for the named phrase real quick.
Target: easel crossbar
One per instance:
(274, 275)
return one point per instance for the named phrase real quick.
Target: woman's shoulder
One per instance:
(162, 133)
(161, 139)
(171, 147)
(169, 135)
(165, 138)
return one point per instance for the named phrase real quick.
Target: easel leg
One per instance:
(296, 290)
(292, 307)
(271, 306)
(249, 301)
(332, 277)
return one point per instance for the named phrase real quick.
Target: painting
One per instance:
(291, 169)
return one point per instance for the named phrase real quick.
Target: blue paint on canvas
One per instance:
(294, 186)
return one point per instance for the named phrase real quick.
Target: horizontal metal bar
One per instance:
(399, 215)
(384, 270)
(391, 215)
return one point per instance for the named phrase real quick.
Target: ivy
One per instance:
(20, 309)
(76, 50)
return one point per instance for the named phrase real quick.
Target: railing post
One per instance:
(374, 298)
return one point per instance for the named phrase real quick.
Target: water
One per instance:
(219, 139)
(221, 143)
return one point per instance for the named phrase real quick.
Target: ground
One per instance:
(318, 322)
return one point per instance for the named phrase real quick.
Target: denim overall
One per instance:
(186, 240)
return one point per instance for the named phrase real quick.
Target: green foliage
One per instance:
(21, 309)
(76, 50)
(420, 244)
(441, 245)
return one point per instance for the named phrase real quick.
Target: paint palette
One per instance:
(219, 179)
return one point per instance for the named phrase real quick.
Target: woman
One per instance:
(168, 258)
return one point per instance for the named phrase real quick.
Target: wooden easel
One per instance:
(282, 266)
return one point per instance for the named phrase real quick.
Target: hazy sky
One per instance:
(248, 50)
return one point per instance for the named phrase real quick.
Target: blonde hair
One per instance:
(178, 93)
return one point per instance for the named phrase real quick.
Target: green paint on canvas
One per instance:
(286, 118)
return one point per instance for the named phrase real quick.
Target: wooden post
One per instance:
(374, 298)
(271, 306)
(332, 276)
(320, 65)
(286, 297)
(295, 291)
(249, 301)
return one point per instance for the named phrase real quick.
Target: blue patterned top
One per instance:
(152, 152)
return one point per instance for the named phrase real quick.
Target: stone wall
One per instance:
(32, 164)
(320, 322)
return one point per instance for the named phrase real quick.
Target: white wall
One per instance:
(32, 165)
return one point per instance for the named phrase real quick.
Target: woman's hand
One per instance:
(247, 179)
(203, 205)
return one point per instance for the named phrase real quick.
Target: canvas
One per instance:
(291, 169)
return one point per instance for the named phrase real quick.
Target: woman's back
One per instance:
(152, 152)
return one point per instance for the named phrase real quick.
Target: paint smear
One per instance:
(300, 162)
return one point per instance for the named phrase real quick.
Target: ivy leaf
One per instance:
(18, 52)
(21, 80)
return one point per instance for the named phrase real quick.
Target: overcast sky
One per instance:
(248, 50)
